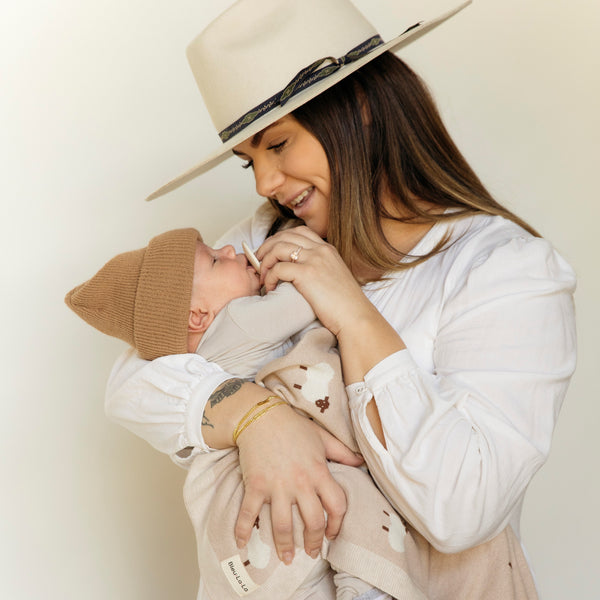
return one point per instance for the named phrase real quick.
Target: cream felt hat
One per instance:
(261, 59)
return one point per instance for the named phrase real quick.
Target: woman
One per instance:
(457, 349)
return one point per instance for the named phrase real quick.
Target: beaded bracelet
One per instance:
(246, 420)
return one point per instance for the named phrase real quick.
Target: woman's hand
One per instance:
(318, 272)
(283, 458)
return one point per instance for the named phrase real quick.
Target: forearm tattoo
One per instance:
(226, 389)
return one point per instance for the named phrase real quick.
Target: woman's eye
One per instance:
(247, 164)
(277, 147)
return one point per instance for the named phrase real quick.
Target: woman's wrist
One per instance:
(227, 405)
(365, 342)
(260, 409)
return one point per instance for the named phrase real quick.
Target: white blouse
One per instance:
(468, 409)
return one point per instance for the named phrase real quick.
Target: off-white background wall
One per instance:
(97, 108)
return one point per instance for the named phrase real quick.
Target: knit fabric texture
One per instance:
(143, 296)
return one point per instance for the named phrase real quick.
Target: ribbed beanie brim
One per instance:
(143, 296)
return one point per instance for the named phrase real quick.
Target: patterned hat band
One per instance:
(305, 78)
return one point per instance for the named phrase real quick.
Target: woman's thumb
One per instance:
(339, 452)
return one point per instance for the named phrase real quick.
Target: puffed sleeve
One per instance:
(464, 440)
(163, 400)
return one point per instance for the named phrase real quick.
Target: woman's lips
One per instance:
(301, 201)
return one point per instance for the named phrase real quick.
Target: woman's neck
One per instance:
(402, 235)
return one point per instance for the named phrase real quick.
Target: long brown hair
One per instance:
(403, 149)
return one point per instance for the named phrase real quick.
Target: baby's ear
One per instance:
(199, 320)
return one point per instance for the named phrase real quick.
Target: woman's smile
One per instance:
(296, 202)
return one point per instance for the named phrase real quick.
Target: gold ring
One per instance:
(295, 254)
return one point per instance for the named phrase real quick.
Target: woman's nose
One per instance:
(268, 176)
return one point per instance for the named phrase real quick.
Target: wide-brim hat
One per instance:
(262, 59)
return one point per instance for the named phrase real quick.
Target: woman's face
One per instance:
(290, 166)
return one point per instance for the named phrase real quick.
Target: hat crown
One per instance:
(253, 50)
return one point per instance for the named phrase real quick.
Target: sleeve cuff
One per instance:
(212, 376)
(391, 367)
(397, 368)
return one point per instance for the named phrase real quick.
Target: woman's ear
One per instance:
(199, 320)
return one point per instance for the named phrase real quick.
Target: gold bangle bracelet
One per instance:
(247, 419)
(241, 421)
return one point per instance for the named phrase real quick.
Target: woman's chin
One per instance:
(318, 227)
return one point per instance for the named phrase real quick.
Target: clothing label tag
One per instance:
(238, 576)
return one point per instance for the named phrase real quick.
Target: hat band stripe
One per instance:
(305, 78)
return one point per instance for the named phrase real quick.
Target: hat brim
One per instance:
(303, 97)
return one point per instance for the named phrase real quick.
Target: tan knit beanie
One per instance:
(143, 296)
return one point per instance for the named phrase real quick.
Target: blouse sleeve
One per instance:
(464, 441)
(163, 400)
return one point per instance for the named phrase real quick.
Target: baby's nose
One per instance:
(228, 251)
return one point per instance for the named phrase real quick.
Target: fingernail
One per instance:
(287, 558)
(315, 553)
(240, 543)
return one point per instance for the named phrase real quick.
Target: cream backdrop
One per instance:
(97, 108)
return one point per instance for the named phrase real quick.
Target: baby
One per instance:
(178, 295)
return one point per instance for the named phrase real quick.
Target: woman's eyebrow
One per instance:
(256, 138)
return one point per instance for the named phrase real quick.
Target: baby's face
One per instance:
(222, 275)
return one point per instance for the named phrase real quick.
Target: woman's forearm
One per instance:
(365, 342)
(225, 408)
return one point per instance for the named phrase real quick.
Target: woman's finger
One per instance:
(284, 251)
(252, 503)
(281, 271)
(283, 527)
(333, 497)
(299, 236)
(337, 451)
(314, 518)
(335, 504)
